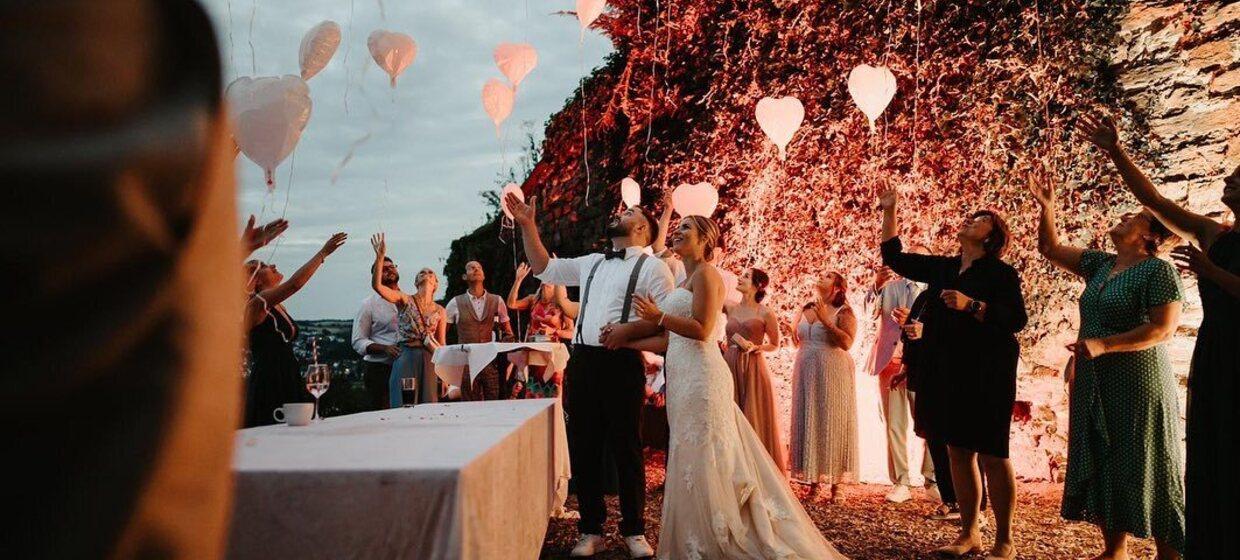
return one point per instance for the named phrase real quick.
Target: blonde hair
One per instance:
(708, 231)
(421, 277)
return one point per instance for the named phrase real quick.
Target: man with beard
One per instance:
(376, 337)
(606, 384)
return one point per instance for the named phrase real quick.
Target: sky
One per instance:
(432, 148)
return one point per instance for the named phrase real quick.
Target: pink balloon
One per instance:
(497, 100)
(695, 200)
(503, 195)
(871, 89)
(317, 48)
(269, 115)
(588, 11)
(392, 51)
(515, 61)
(731, 295)
(630, 192)
(780, 118)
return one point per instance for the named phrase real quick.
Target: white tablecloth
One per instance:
(450, 361)
(472, 480)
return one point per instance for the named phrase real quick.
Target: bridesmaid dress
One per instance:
(754, 393)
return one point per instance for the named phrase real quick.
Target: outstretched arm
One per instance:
(376, 279)
(513, 301)
(1063, 256)
(523, 215)
(276, 295)
(1195, 228)
(665, 223)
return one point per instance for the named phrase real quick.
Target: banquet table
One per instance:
(451, 362)
(475, 480)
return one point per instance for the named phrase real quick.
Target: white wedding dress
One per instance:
(724, 496)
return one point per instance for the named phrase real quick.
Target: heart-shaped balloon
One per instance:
(872, 89)
(317, 48)
(515, 61)
(630, 192)
(587, 12)
(780, 118)
(269, 115)
(695, 200)
(497, 100)
(503, 197)
(392, 51)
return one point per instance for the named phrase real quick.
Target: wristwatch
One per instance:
(974, 306)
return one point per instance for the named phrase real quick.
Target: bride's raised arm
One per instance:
(707, 301)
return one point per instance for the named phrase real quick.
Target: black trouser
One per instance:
(375, 377)
(604, 392)
(943, 473)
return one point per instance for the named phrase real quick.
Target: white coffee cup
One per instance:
(294, 414)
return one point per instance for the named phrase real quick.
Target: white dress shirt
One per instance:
(480, 305)
(375, 324)
(605, 302)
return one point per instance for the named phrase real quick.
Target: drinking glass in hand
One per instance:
(318, 379)
(408, 391)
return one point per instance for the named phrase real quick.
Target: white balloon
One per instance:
(503, 197)
(392, 51)
(497, 100)
(269, 115)
(630, 192)
(695, 200)
(872, 89)
(515, 61)
(317, 48)
(588, 11)
(780, 118)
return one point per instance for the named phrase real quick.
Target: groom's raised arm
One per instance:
(523, 215)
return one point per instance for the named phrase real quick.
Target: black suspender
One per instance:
(628, 295)
(585, 299)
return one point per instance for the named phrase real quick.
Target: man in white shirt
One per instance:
(475, 314)
(376, 338)
(606, 383)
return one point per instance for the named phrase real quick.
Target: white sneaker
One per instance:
(899, 494)
(587, 545)
(932, 490)
(638, 547)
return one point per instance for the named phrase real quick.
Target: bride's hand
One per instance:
(646, 308)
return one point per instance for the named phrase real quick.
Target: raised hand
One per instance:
(379, 245)
(254, 238)
(522, 213)
(523, 270)
(888, 199)
(334, 242)
(1041, 186)
(1098, 130)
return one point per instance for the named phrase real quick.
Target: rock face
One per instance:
(986, 90)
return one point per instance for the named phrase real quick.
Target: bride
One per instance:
(724, 496)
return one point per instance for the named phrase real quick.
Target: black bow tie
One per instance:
(609, 254)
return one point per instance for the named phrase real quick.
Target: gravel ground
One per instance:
(863, 525)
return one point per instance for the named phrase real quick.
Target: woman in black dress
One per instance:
(969, 356)
(1211, 488)
(275, 376)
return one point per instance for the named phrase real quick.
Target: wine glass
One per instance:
(318, 379)
(408, 391)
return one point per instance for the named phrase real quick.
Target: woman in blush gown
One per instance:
(753, 330)
(724, 498)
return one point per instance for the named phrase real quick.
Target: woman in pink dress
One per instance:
(548, 323)
(753, 330)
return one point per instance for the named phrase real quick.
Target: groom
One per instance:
(606, 383)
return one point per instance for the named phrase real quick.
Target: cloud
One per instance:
(432, 148)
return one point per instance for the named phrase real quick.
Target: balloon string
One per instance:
(382, 11)
(653, 70)
(348, 74)
(253, 59)
(288, 191)
(585, 141)
(916, 84)
(232, 65)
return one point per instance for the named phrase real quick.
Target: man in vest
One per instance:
(605, 383)
(475, 314)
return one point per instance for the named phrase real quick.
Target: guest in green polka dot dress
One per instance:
(1125, 469)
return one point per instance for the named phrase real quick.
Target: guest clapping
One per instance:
(753, 330)
(971, 353)
(421, 324)
(275, 376)
(1124, 440)
(824, 445)
(1213, 255)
